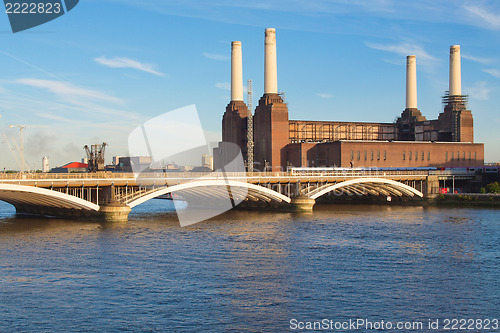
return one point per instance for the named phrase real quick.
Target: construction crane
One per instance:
(95, 157)
(20, 148)
(7, 141)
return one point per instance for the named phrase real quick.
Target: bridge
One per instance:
(111, 196)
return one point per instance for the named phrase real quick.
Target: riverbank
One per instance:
(472, 199)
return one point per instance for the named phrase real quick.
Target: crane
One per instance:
(7, 141)
(95, 157)
(20, 149)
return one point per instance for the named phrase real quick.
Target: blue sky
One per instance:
(102, 69)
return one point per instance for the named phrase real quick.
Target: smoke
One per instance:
(40, 143)
(60, 149)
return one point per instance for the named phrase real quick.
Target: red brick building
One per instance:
(411, 141)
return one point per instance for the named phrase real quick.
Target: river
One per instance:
(250, 271)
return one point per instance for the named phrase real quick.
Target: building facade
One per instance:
(411, 141)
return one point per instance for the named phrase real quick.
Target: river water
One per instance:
(250, 271)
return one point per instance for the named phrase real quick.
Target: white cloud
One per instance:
(215, 56)
(223, 85)
(484, 17)
(484, 61)
(324, 95)
(480, 91)
(492, 71)
(119, 62)
(82, 102)
(398, 62)
(51, 116)
(404, 50)
(68, 90)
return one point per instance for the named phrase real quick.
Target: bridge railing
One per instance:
(211, 175)
(342, 173)
(63, 176)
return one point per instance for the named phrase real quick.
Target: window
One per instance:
(416, 155)
(463, 155)
(410, 156)
(458, 156)
(428, 156)
(359, 155)
(366, 154)
(352, 155)
(404, 155)
(446, 155)
(475, 156)
(378, 155)
(372, 154)
(469, 156)
(423, 156)
(385, 155)
(452, 155)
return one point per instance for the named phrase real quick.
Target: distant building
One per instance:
(207, 161)
(116, 160)
(134, 163)
(45, 164)
(71, 167)
(171, 168)
(201, 169)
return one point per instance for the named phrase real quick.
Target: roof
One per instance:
(75, 165)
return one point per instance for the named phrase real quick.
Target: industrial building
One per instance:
(411, 141)
(73, 167)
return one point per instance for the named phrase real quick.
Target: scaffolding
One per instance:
(249, 127)
(324, 131)
(455, 99)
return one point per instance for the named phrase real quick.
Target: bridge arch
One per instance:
(23, 196)
(380, 185)
(219, 188)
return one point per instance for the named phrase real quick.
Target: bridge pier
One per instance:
(114, 212)
(432, 187)
(302, 203)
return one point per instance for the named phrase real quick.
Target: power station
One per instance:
(411, 141)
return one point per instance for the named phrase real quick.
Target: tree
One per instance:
(493, 187)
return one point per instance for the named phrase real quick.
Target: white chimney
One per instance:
(455, 72)
(411, 82)
(270, 63)
(236, 72)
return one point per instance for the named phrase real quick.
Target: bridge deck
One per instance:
(49, 180)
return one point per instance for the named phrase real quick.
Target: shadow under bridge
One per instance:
(213, 192)
(366, 187)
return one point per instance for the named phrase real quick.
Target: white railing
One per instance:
(208, 175)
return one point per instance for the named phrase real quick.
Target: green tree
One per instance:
(493, 187)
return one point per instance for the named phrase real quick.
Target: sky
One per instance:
(99, 71)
